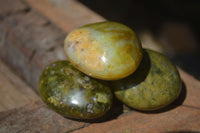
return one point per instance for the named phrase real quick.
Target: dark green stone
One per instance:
(73, 94)
(154, 85)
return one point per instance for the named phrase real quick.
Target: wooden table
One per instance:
(31, 36)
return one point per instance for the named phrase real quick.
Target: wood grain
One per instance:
(8, 7)
(192, 90)
(66, 14)
(29, 42)
(36, 117)
(13, 91)
(180, 119)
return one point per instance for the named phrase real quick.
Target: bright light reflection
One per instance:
(74, 101)
(77, 98)
(103, 58)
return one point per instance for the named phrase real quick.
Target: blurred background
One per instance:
(32, 34)
(169, 26)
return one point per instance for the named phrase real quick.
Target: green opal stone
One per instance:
(155, 84)
(73, 94)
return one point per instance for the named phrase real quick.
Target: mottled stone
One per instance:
(154, 85)
(105, 50)
(72, 93)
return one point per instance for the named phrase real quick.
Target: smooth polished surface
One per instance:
(154, 85)
(106, 50)
(72, 93)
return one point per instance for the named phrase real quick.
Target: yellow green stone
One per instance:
(154, 85)
(73, 94)
(105, 50)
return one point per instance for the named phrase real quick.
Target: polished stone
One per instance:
(105, 50)
(154, 85)
(73, 94)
